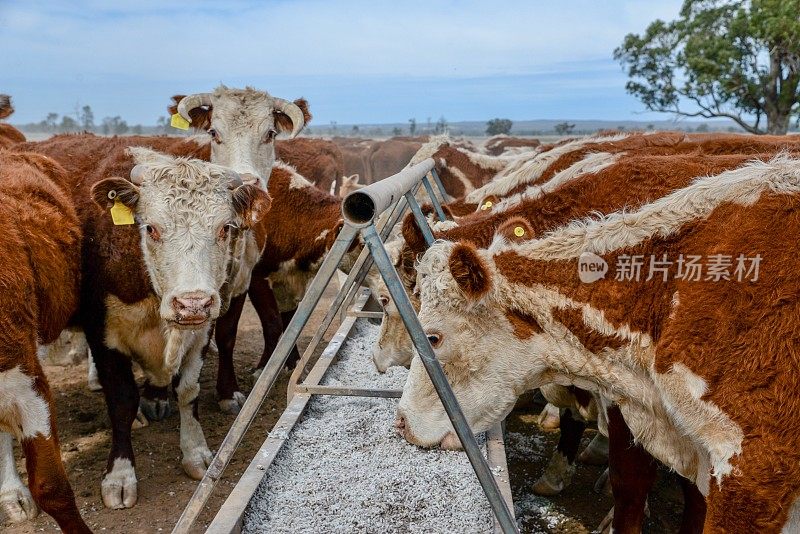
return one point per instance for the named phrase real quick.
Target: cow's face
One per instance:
(475, 342)
(190, 214)
(242, 125)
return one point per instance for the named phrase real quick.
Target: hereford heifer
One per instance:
(153, 289)
(9, 135)
(699, 362)
(241, 125)
(629, 181)
(39, 276)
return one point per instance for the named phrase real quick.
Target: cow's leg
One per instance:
(16, 501)
(119, 487)
(92, 381)
(230, 398)
(196, 454)
(266, 306)
(694, 508)
(561, 468)
(632, 472)
(154, 403)
(548, 418)
(47, 477)
(294, 357)
(596, 452)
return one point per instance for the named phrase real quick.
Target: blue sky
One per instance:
(355, 61)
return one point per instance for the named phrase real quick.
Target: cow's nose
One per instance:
(192, 302)
(400, 425)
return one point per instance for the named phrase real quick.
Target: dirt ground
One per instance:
(164, 489)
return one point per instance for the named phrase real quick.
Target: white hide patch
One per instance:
(533, 168)
(23, 413)
(792, 525)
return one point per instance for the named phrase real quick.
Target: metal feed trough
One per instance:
(373, 212)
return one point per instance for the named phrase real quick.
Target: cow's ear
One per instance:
(284, 124)
(413, 235)
(201, 116)
(251, 203)
(106, 192)
(469, 271)
(488, 203)
(516, 229)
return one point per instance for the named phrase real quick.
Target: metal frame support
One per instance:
(361, 209)
(434, 369)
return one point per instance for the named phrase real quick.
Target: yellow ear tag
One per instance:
(486, 205)
(179, 122)
(519, 231)
(121, 214)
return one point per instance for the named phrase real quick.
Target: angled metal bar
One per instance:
(265, 381)
(439, 184)
(345, 295)
(422, 222)
(434, 199)
(505, 517)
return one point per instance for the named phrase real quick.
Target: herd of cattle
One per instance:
(642, 280)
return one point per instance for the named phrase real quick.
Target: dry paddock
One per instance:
(164, 489)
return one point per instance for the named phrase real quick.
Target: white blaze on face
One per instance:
(243, 131)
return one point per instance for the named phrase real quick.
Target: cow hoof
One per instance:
(94, 384)
(140, 421)
(195, 463)
(596, 452)
(155, 409)
(557, 476)
(234, 405)
(603, 484)
(17, 505)
(549, 418)
(119, 486)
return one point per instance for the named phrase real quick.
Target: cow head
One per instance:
(189, 213)
(476, 340)
(242, 125)
(6, 109)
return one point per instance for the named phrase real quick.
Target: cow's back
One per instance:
(41, 244)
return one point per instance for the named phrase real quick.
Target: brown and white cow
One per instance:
(241, 125)
(39, 275)
(629, 181)
(702, 369)
(9, 135)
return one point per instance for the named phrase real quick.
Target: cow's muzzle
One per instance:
(192, 310)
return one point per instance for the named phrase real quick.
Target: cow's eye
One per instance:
(214, 135)
(225, 231)
(271, 134)
(435, 339)
(153, 233)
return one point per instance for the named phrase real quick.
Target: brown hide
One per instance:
(317, 160)
(39, 277)
(740, 338)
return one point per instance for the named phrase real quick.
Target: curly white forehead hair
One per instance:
(435, 280)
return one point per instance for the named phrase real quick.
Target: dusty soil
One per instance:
(164, 489)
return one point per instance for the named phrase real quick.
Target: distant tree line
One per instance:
(82, 119)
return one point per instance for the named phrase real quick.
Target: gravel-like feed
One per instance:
(344, 469)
